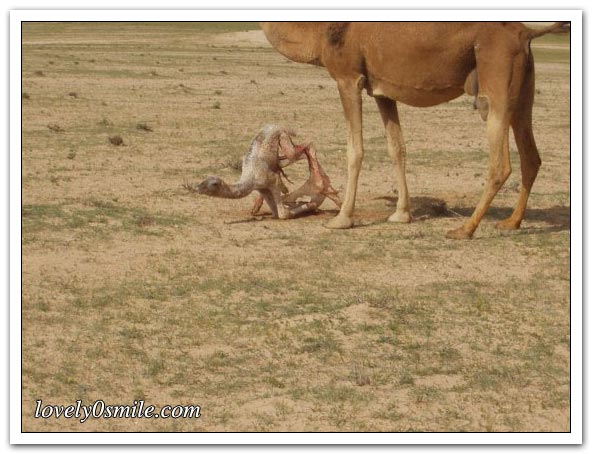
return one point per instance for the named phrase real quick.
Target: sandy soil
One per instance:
(134, 288)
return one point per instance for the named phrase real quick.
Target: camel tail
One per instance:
(557, 27)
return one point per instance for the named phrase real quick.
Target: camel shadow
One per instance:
(558, 218)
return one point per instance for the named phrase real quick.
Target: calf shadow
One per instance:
(557, 217)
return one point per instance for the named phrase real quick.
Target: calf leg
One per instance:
(270, 200)
(276, 194)
(307, 207)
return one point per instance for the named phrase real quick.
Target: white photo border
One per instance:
(574, 437)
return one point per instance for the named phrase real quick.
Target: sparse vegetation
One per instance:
(134, 289)
(142, 126)
(55, 127)
(116, 140)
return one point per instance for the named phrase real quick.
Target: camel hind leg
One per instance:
(396, 148)
(530, 161)
(501, 76)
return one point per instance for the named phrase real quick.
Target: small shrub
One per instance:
(116, 140)
(106, 123)
(144, 127)
(55, 127)
(145, 221)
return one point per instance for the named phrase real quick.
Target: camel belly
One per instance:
(413, 96)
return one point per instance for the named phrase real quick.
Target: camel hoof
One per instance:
(401, 217)
(339, 222)
(508, 224)
(459, 234)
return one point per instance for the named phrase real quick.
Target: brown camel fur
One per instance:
(423, 64)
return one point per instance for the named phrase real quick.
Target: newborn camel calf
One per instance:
(271, 150)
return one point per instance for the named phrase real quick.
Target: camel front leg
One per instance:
(350, 92)
(396, 148)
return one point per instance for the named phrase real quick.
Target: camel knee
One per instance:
(355, 156)
(397, 151)
(530, 171)
(536, 163)
(498, 177)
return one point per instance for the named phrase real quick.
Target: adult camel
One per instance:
(423, 64)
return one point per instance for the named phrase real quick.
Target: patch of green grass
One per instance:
(35, 212)
(498, 377)
(154, 367)
(406, 378)
(320, 344)
(426, 394)
(335, 393)
(391, 412)
(98, 216)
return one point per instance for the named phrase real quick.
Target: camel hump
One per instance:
(336, 33)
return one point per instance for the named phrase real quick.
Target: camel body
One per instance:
(423, 64)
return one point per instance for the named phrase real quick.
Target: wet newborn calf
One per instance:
(271, 150)
(261, 171)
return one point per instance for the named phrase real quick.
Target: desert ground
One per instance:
(134, 288)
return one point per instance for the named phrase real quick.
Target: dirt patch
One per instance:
(134, 288)
(251, 38)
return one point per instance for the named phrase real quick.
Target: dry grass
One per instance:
(134, 288)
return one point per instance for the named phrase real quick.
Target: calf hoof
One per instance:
(401, 217)
(508, 224)
(340, 222)
(459, 234)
